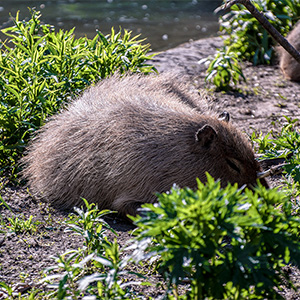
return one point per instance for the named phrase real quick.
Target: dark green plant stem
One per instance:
(267, 25)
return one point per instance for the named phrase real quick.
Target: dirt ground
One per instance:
(264, 99)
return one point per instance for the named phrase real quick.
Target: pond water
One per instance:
(164, 23)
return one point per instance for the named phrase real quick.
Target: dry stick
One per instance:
(267, 25)
(274, 170)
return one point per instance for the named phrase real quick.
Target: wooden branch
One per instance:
(275, 170)
(267, 25)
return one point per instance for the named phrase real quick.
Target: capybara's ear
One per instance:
(224, 116)
(206, 135)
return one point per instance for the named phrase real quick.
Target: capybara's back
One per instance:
(127, 138)
(288, 65)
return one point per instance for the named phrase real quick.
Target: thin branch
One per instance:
(272, 171)
(267, 25)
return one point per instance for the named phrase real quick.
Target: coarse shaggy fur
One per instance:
(127, 138)
(288, 65)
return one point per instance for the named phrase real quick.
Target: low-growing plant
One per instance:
(248, 38)
(283, 144)
(22, 225)
(224, 69)
(68, 270)
(42, 69)
(112, 283)
(6, 290)
(279, 143)
(2, 202)
(2, 223)
(96, 269)
(89, 224)
(11, 292)
(226, 242)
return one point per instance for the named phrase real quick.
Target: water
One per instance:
(165, 24)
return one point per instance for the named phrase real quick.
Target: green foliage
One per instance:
(281, 143)
(7, 292)
(22, 225)
(17, 224)
(248, 38)
(2, 202)
(229, 244)
(285, 144)
(41, 70)
(111, 283)
(75, 272)
(2, 223)
(224, 69)
(90, 225)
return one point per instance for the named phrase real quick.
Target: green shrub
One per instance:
(229, 244)
(225, 243)
(224, 69)
(41, 70)
(248, 38)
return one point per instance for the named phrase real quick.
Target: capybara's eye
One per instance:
(233, 165)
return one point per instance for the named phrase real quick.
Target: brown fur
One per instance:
(125, 139)
(288, 65)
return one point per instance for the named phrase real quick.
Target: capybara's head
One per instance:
(226, 153)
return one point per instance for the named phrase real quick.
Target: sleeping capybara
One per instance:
(127, 138)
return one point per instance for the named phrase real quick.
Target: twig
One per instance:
(272, 171)
(267, 25)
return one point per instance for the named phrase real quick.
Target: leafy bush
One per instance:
(248, 38)
(224, 69)
(41, 70)
(229, 244)
(222, 243)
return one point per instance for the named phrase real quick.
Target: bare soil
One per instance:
(256, 106)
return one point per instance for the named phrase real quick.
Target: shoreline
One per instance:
(184, 58)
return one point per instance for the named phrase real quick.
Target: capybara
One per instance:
(288, 65)
(127, 138)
